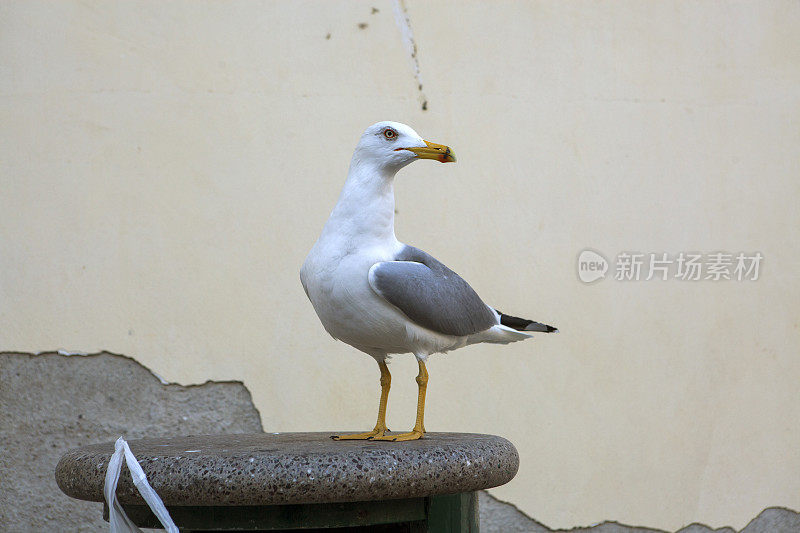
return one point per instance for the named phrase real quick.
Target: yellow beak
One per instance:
(439, 152)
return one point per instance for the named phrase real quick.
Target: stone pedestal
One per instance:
(306, 481)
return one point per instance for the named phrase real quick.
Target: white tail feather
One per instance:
(498, 334)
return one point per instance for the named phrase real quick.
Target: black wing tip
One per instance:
(523, 324)
(541, 328)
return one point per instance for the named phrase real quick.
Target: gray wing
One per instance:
(431, 294)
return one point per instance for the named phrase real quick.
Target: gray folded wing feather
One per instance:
(431, 294)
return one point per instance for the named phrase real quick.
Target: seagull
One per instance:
(384, 297)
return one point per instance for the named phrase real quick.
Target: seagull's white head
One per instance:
(392, 145)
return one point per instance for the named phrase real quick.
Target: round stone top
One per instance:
(294, 468)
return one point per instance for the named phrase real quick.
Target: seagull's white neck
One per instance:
(365, 210)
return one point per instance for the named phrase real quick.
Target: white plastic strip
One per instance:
(118, 520)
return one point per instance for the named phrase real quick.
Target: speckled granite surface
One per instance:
(264, 469)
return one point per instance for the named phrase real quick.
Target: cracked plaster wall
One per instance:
(52, 403)
(501, 517)
(165, 167)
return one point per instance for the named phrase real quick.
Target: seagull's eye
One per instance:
(390, 134)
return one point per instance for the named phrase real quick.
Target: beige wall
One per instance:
(164, 168)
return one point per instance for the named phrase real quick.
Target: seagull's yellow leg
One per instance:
(380, 426)
(419, 427)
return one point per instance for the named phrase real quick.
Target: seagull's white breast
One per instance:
(337, 283)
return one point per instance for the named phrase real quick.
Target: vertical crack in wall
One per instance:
(404, 24)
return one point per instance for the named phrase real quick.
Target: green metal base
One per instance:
(450, 513)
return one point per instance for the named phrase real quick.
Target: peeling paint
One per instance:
(68, 353)
(403, 21)
(498, 516)
(162, 380)
(52, 403)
